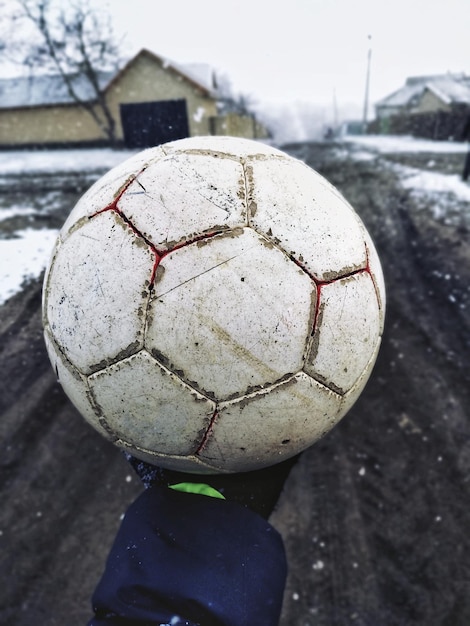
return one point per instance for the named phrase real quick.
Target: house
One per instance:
(426, 106)
(151, 101)
(424, 94)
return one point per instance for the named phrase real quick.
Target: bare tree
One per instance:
(70, 39)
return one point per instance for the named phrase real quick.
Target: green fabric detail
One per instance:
(200, 488)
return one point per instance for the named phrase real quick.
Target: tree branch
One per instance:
(73, 42)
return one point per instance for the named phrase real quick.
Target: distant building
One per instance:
(151, 100)
(424, 94)
(426, 106)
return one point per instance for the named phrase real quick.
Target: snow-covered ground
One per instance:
(25, 252)
(448, 192)
(51, 161)
(435, 183)
(23, 258)
(389, 144)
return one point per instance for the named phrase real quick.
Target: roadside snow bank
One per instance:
(393, 143)
(445, 196)
(24, 258)
(54, 161)
(434, 183)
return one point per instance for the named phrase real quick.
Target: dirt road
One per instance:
(375, 517)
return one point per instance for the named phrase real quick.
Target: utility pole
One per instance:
(366, 95)
(335, 111)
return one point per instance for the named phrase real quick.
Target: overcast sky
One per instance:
(314, 50)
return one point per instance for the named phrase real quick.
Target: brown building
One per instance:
(151, 101)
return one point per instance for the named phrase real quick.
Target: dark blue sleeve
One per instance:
(187, 559)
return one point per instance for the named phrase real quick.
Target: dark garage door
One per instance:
(147, 124)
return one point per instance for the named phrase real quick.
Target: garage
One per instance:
(147, 124)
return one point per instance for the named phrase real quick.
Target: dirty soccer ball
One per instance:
(213, 305)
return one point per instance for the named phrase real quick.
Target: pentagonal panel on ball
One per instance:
(269, 426)
(347, 332)
(149, 407)
(230, 314)
(96, 295)
(306, 216)
(182, 196)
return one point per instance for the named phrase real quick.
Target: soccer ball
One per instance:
(213, 305)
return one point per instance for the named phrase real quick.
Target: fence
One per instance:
(439, 125)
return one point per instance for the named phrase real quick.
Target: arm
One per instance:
(189, 559)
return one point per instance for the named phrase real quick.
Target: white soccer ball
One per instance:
(213, 305)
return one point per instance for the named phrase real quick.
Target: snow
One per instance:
(64, 161)
(436, 183)
(23, 211)
(445, 196)
(23, 258)
(25, 253)
(43, 89)
(386, 144)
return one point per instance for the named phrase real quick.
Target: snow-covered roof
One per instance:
(50, 89)
(46, 89)
(450, 88)
(201, 73)
(449, 91)
(402, 96)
